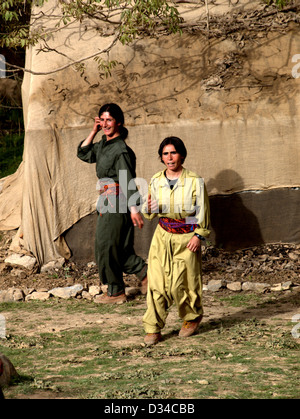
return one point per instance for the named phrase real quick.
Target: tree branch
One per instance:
(40, 73)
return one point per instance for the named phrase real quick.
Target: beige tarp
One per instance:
(236, 106)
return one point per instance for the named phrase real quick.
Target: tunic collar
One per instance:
(181, 177)
(113, 140)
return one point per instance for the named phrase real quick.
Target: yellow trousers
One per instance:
(174, 275)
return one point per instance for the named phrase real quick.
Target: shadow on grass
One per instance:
(261, 311)
(21, 379)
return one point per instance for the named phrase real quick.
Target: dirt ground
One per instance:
(271, 264)
(264, 320)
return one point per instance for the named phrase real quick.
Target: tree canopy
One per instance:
(21, 24)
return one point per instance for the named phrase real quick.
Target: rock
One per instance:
(28, 291)
(3, 296)
(132, 291)
(286, 285)
(234, 286)
(66, 292)
(18, 295)
(3, 267)
(94, 290)
(19, 273)
(25, 261)
(7, 371)
(11, 295)
(204, 287)
(103, 288)
(42, 289)
(247, 286)
(53, 265)
(261, 287)
(86, 295)
(38, 295)
(255, 286)
(216, 284)
(202, 382)
(91, 265)
(293, 256)
(276, 287)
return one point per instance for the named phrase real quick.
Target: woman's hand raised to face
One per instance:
(97, 125)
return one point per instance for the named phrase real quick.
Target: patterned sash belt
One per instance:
(110, 189)
(106, 189)
(177, 226)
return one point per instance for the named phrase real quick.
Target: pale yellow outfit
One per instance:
(174, 272)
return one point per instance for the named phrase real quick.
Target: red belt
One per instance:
(176, 226)
(109, 189)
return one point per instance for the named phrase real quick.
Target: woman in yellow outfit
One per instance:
(179, 198)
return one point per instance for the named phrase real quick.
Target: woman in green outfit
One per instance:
(115, 168)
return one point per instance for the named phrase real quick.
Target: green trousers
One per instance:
(174, 275)
(114, 251)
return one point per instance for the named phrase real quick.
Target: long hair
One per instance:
(116, 112)
(178, 145)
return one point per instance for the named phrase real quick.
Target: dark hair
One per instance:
(177, 143)
(116, 112)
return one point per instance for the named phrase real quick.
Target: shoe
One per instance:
(189, 328)
(111, 299)
(144, 286)
(152, 338)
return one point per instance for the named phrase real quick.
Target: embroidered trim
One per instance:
(176, 226)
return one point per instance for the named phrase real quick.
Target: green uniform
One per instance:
(174, 272)
(114, 242)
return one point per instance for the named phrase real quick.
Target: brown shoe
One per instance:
(152, 338)
(111, 299)
(189, 328)
(144, 285)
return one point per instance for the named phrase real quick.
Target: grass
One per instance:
(240, 300)
(249, 358)
(279, 3)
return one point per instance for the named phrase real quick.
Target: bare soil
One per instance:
(257, 328)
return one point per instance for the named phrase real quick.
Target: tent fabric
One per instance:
(247, 219)
(241, 126)
(238, 221)
(11, 200)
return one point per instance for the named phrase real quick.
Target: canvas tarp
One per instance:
(236, 109)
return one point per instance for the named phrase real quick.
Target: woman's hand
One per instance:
(152, 205)
(136, 217)
(96, 128)
(97, 125)
(194, 244)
